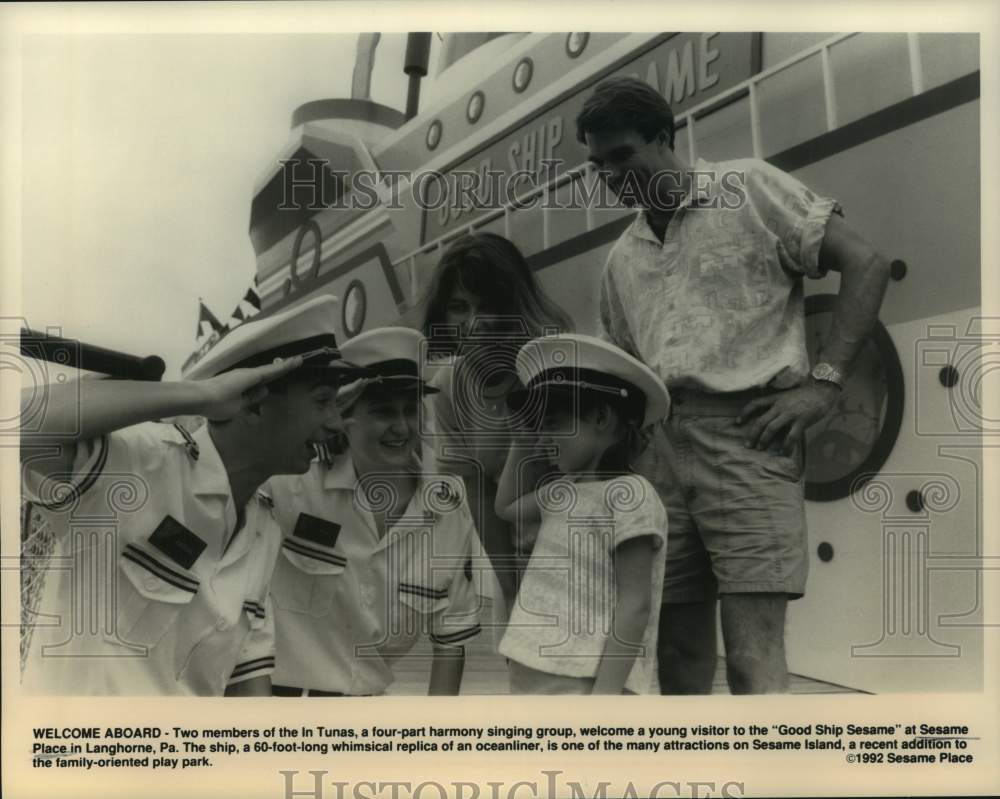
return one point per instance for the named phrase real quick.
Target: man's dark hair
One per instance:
(625, 104)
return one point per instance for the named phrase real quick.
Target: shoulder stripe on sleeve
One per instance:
(254, 608)
(419, 590)
(164, 572)
(75, 491)
(250, 666)
(461, 635)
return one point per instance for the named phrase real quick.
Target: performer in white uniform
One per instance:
(376, 549)
(165, 549)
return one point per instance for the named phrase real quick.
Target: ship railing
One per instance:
(688, 119)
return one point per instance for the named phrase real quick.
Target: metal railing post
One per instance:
(692, 147)
(829, 90)
(916, 65)
(754, 121)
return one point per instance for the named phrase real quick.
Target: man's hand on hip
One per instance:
(785, 415)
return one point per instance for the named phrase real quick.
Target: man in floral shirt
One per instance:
(706, 287)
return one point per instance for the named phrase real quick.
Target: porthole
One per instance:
(474, 110)
(434, 134)
(855, 438)
(353, 309)
(313, 228)
(948, 376)
(575, 43)
(522, 74)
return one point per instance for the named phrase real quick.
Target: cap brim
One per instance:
(519, 397)
(401, 383)
(405, 384)
(339, 372)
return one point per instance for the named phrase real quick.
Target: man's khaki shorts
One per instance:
(736, 516)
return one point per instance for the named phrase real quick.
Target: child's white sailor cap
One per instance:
(389, 355)
(573, 362)
(307, 330)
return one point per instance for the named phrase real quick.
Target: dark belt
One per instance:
(286, 690)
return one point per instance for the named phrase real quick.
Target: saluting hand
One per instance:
(227, 394)
(786, 414)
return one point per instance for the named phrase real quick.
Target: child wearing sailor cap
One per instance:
(179, 565)
(587, 610)
(376, 547)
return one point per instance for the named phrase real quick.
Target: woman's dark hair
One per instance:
(625, 104)
(492, 268)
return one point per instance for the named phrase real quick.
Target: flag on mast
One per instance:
(252, 298)
(205, 315)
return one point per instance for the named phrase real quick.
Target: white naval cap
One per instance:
(391, 355)
(307, 329)
(573, 362)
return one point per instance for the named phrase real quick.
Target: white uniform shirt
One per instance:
(718, 305)
(347, 602)
(149, 591)
(563, 614)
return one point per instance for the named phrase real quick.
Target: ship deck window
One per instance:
(682, 141)
(792, 106)
(526, 230)
(870, 72)
(493, 226)
(946, 56)
(567, 216)
(725, 133)
(777, 47)
(283, 205)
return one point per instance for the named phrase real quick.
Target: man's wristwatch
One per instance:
(828, 374)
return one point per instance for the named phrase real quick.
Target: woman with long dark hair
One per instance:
(482, 305)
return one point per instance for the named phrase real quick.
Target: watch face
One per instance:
(854, 439)
(822, 371)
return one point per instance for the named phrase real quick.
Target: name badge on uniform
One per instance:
(178, 543)
(319, 531)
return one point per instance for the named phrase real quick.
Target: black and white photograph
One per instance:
(500, 368)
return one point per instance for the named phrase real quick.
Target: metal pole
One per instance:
(76, 354)
(418, 53)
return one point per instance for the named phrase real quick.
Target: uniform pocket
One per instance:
(306, 577)
(152, 594)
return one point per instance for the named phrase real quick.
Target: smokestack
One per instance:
(364, 63)
(418, 52)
